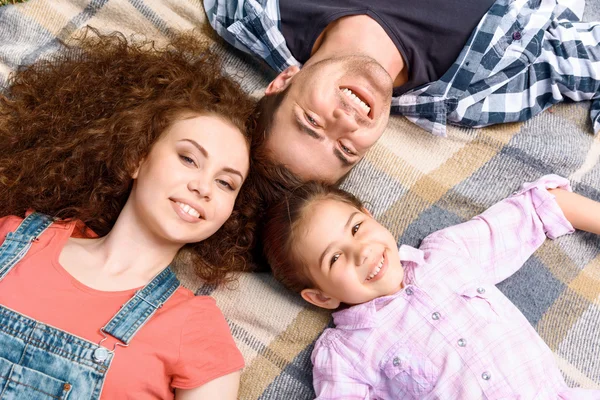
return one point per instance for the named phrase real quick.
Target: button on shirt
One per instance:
(450, 333)
(501, 75)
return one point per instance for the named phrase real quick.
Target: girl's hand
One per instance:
(582, 213)
(223, 388)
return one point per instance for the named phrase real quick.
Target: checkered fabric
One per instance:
(523, 57)
(413, 182)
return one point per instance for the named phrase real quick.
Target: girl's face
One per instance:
(350, 257)
(185, 189)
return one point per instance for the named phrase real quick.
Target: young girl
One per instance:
(142, 154)
(425, 323)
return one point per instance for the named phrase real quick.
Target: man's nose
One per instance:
(344, 120)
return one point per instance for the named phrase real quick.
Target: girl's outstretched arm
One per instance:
(582, 213)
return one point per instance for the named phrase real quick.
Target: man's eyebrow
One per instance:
(345, 162)
(345, 228)
(198, 146)
(307, 130)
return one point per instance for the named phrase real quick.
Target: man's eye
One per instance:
(355, 228)
(334, 259)
(347, 150)
(311, 120)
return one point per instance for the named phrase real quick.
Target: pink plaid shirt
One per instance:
(450, 333)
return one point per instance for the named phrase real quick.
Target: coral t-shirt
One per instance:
(185, 344)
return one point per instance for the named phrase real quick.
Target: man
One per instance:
(467, 62)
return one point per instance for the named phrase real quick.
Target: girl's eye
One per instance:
(334, 259)
(187, 160)
(225, 184)
(311, 120)
(355, 228)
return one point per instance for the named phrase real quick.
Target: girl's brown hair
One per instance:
(283, 221)
(74, 128)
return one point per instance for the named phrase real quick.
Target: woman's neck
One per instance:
(129, 256)
(360, 35)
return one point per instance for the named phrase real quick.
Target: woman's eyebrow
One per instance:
(205, 154)
(234, 171)
(198, 146)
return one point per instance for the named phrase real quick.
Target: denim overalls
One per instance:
(40, 362)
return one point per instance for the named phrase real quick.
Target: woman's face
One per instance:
(185, 189)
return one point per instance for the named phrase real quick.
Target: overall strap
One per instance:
(17, 243)
(140, 308)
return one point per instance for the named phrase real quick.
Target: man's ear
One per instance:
(282, 81)
(319, 299)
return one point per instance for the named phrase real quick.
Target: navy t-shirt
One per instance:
(429, 34)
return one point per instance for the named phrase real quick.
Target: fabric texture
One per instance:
(523, 57)
(450, 333)
(414, 183)
(185, 344)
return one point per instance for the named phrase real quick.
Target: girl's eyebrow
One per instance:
(346, 226)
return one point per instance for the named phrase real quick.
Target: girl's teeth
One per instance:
(188, 209)
(356, 100)
(376, 270)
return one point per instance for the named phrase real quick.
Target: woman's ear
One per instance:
(319, 299)
(282, 81)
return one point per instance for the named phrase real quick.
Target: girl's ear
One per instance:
(319, 299)
(364, 210)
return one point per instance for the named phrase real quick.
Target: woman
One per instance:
(141, 153)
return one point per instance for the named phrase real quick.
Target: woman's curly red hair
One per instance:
(75, 127)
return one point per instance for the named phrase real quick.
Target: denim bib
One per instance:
(40, 362)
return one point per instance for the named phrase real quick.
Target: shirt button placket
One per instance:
(486, 376)
(435, 316)
(462, 342)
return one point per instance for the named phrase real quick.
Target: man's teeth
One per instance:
(350, 94)
(374, 273)
(188, 209)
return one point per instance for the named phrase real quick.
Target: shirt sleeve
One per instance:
(207, 350)
(334, 376)
(503, 237)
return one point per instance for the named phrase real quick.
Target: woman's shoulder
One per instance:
(10, 223)
(192, 308)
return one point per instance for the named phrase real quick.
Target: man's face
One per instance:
(333, 113)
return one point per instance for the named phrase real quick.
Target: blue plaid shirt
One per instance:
(503, 74)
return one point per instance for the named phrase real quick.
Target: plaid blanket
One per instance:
(413, 182)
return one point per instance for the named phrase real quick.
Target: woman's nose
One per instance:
(202, 187)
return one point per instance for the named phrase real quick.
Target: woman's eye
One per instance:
(311, 120)
(225, 184)
(187, 160)
(334, 259)
(355, 228)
